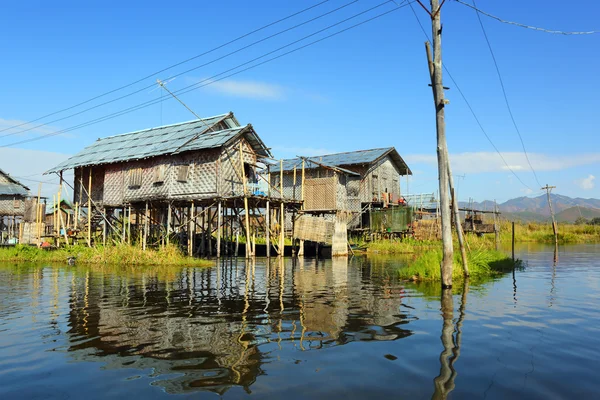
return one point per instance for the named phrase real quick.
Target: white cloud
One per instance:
(15, 128)
(248, 89)
(586, 183)
(477, 162)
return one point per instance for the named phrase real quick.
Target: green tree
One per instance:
(595, 221)
(581, 221)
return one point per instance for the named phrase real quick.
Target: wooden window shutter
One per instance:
(17, 203)
(182, 172)
(135, 177)
(159, 173)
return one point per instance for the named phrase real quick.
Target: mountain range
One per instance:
(566, 209)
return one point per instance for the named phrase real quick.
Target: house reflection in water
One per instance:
(214, 328)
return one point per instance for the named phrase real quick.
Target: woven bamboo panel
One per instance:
(315, 229)
(320, 194)
(12, 206)
(231, 169)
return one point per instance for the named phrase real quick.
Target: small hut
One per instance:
(13, 206)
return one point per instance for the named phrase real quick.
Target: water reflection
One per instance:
(212, 329)
(444, 382)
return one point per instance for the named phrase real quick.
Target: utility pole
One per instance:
(548, 190)
(435, 68)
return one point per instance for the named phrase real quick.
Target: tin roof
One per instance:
(359, 157)
(11, 187)
(164, 140)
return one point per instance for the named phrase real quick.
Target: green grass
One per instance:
(397, 246)
(482, 263)
(535, 232)
(118, 255)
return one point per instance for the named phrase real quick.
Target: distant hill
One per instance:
(567, 209)
(571, 214)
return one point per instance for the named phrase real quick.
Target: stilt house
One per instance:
(13, 195)
(200, 159)
(352, 181)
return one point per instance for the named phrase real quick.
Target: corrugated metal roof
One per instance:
(347, 159)
(163, 140)
(12, 187)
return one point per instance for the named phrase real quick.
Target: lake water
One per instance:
(305, 329)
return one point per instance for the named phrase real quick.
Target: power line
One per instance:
(470, 107)
(512, 117)
(211, 80)
(474, 7)
(181, 73)
(170, 67)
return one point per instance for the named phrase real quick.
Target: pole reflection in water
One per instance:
(444, 382)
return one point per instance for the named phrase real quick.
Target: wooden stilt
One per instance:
(247, 217)
(268, 228)
(203, 229)
(219, 223)
(129, 225)
(104, 227)
(89, 210)
(191, 231)
(169, 211)
(209, 231)
(145, 237)
(282, 216)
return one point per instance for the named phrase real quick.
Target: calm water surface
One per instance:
(306, 329)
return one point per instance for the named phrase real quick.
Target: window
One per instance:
(159, 174)
(375, 185)
(135, 178)
(182, 172)
(17, 203)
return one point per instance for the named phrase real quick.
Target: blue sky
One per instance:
(364, 88)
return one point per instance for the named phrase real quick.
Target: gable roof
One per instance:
(360, 157)
(164, 140)
(11, 187)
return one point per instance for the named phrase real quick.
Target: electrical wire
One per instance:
(211, 80)
(470, 107)
(509, 108)
(525, 26)
(169, 67)
(181, 73)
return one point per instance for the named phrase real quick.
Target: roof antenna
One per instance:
(163, 85)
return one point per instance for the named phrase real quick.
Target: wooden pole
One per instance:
(513, 241)
(458, 225)
(145, 237)
(268, 228)
(247, 218)
(129, 225)
(282, 216)
(89, 235)
(191, 226)
(548, 189)
(104, 226)
(496, 228)
(38, 216)
(442, 150)
(219, 223)
(169, 217)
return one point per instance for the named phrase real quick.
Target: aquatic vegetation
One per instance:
(482, 263)
(121, 254)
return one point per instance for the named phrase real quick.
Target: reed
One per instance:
(122, 254)
(483, 262)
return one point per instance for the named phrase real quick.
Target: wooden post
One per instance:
(203, 237)
(513, 241)
(496, 228)
(209, 231)
(129, 225)
(268, 228)
(302, 187)
(219, 223)
(548, 189)
(104, 226)
(248, 239)
(442, 150)
(191, 226)
(169, 217)
(282, 216)
(38, 216)
(145, 237)
(89, 235)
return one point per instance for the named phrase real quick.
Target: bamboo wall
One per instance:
(12, 205)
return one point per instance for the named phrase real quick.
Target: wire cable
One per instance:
(474, 7)
(211, 80)
(169, 67)
(470, 107)
(509, 108)
(181, 73)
